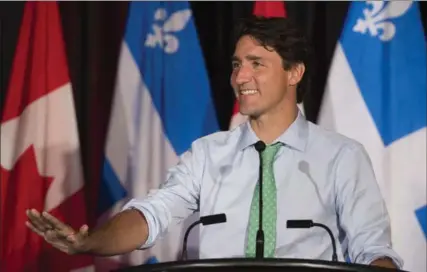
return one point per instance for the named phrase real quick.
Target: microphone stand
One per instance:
(259, 253)
(205, 221)
(305, 224)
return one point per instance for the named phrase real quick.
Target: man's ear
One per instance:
(296, 73)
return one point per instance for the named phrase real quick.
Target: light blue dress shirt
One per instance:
(320, 175)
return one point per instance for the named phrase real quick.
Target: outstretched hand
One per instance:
(56, 233)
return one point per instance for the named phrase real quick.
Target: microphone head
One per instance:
(299, 224)
(260, 146)
(213, 219)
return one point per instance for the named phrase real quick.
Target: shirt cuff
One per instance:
(150, 222)
(368, 258)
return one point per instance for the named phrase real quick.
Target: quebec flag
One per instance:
(376, 94)
(162, 103)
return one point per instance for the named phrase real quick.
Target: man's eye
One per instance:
(235, 65)
(256, 63)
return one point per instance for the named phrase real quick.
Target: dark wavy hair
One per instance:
(284, 37)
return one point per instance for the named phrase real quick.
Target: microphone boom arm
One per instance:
(205, 221)
(184, 244)
(306, 224)
(334, 246)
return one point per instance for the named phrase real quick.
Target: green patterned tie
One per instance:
(269, 206)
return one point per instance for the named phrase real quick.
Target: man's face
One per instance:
(258, 78)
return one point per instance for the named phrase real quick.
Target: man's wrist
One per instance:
(86, 246)
(385, 262)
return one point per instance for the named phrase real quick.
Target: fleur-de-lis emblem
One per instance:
(162, 34)
(375, 19)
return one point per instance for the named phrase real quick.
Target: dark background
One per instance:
(93, 33)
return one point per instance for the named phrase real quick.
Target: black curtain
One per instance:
(93, 33)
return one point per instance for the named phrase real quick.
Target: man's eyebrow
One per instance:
(235, 58)
(253, 57)
(248, 57)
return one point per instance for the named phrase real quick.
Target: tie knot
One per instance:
(270, 151)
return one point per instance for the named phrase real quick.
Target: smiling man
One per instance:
(308, 173)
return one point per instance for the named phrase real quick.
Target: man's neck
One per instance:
(270, 126)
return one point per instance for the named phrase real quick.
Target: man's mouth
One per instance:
(248, 91)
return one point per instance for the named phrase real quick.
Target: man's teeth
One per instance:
(246, 92)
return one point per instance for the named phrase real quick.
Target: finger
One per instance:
(63, 248)
(62, 234)
(33, 228)
(71, 238)
(84, 230)
(53, 235)
(58, 235)
(36, 220)
(55, 223)
(57, 238)
(50, 236)
(33, 216)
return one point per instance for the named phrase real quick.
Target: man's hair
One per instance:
(283, 36)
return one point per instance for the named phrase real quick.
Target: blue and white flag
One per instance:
(376, 94)
(162, 103)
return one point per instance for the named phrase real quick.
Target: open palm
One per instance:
(55, 232)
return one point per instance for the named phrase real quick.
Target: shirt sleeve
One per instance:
(176, 199)
(361, 208)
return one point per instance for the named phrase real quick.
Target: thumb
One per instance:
(84, 230)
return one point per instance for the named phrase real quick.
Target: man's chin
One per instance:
(250, 113)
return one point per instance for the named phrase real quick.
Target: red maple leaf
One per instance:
(22, 188)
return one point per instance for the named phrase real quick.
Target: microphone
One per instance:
(259, 253)
(305, 224)
(205, 221)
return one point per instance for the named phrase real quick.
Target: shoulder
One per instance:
(336, 149)
(345, 158)
(220, 138)
(216, 143)
(332, 140)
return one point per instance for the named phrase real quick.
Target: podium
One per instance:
(250, 265)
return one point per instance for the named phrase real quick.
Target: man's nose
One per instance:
(243, 75)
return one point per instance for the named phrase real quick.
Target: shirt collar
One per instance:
(295, 136)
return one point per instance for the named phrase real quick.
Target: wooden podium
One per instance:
(244, 264)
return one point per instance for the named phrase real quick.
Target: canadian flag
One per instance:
(40, 155)
(266, 9)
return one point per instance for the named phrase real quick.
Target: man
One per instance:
(308, 173)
